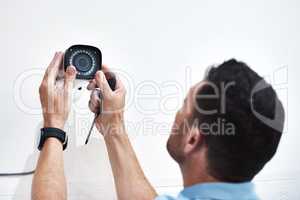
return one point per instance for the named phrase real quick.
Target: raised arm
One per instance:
(130, 180)
(49, 179)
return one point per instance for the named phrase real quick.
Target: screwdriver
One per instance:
(96, 114)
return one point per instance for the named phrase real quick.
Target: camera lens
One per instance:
(83, 62)
(86, 59)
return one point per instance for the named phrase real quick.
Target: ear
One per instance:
(193, 140)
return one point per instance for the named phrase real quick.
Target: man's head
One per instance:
(234, 117)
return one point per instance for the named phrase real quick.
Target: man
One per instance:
(227, 129)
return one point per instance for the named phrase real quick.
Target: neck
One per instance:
(194, 171)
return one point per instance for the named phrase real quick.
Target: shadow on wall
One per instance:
(87, 170)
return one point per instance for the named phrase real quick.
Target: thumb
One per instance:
(102, 83)
(70, 76)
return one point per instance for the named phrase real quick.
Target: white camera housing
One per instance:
(78, 89)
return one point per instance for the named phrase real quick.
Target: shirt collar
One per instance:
(224, 191)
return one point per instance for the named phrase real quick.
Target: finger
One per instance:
(61, 73)
(47, 70)
(107, 72)
(94, 103)
(111, 79)
(109, 76)
(119, 84)
(102, 82)
(53, 68)
(70, 76)
(92, 107)
(105, 68)
(95, 96)
(92, 84)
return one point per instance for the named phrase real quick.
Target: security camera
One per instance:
(87, 60)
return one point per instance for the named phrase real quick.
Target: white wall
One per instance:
(149, 42)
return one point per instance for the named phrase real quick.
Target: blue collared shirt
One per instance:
(216, 191)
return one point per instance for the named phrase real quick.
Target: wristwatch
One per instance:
(53, 132)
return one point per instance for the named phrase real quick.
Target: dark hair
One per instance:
(238, 157)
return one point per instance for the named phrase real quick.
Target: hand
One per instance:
(113, 104)
(55, 97)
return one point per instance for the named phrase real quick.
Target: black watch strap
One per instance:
(53, 132)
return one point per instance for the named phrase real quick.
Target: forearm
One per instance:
(49, 180)
(130, 180)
